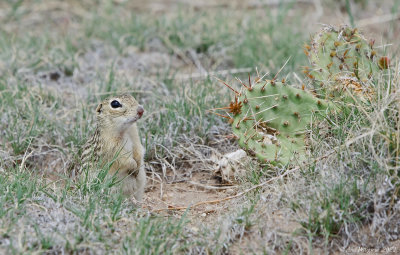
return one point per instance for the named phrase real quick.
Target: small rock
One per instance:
(229, 167)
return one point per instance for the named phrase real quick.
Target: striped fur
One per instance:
(91, 151)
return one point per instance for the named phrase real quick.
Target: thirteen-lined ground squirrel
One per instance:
(116, 138)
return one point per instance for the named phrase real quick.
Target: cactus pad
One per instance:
(342, 59)
(269, 119)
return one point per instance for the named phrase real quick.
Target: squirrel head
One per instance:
(118, 112)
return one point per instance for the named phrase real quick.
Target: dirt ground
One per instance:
(199, 186)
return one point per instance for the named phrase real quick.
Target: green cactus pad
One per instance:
(270, 120)
(342, 59)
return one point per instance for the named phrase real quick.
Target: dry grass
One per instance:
(59, 58)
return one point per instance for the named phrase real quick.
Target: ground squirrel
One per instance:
(116, 138)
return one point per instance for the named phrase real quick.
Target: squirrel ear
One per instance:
(98, 109)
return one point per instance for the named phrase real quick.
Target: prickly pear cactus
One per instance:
(343, 59)
(269, 119)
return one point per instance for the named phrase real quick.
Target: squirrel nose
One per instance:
(140, 110)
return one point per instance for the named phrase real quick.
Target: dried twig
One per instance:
(217, 73)
(204, 186)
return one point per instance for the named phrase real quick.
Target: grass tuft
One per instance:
(58, 60)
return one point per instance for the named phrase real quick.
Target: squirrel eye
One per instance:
(115, 104)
